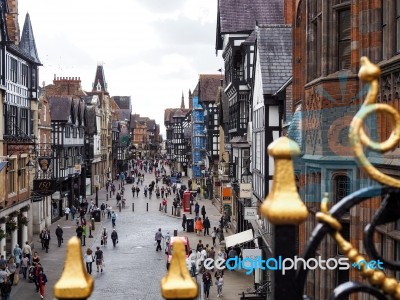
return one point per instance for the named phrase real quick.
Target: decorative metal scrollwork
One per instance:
(370, 73)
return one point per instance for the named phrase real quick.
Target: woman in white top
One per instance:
(88, 258)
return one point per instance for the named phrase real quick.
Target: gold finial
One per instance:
(370, 73)
(75, 282)
(283, 205)
(178, 284)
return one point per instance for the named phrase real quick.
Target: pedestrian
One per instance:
(73, 212)
(12, 268)
(109, 212)
(207, 283)
(35, 259)
(24, 265)
(214, 235)
(88, 258)
(207, 226)
(219, 281)
(59, 234)
(5, 283)
(164, 205)
(104, 237)
(118, 197)
(199, 246)
(79, 232)
(158, 237)
(199, 226)
(67, 211)
(203, 212)
(211, 254)
(27, 250)
(114, 237)
(196, 209)
(113, 218)
(47, 240)
(103, 209)
(198, 192)
(84, 234)
(137, 191)
(133, 191)
(167, 240)
(232, 254)
(41, 280)
(36, 272)
(99, 259)
(41, 235)
(184, 219)
(17, 255)
(220, 235)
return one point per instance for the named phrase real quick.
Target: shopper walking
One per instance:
(203, 212)
(99, 259)
(199, 226)
(158, 237)
(67, 211)
(114, 237)
(88, 258)
(214, 235)
(207, 226)
(18, 255)
(184, 219)
(219, 280)
(41, 280)
(59, 234)
(207, 283)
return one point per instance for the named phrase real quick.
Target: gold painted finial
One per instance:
(370, 73)
(283, 205)
(75, 282)
(178, 284)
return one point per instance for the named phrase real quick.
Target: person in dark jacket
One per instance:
(59, 234)
(196, 209)
(203, 211)
(184, 222)
(207, 225)
(79, 232)
(114, 237)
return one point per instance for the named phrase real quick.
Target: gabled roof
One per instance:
(100, 80)
(91, 126)
(236, 16)
(251, 39)
(274, 45)
(151, 124)
(123, 114)
(60, 107)
(209, 84)
(123, 102)
(27, 43)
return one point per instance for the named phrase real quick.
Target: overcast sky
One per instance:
(151, 50)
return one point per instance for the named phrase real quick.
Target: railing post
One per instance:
(75, 282)
(285, 210)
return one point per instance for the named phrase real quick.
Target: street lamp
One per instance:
(247, 176)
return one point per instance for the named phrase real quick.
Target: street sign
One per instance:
(245, 190)
(232, 170)
(250, 213)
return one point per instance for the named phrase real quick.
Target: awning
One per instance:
(239, 238)
(3, 164)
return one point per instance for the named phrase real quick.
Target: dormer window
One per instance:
(98, 86)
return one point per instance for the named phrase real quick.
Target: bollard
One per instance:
(172, 210)
(93, 227)
(190, 208)
(160, 207)
(147, 209)
(165, 208)
(110, 194)
(120, 206)
(119, 186)
(106, 197)
(133, 206)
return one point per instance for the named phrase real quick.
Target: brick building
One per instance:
(329, 37)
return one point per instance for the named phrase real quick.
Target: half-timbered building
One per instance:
(19, 62)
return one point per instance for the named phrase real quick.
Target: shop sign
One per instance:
(44, 187)
(227, 195)
(245, 190)
(250, 213)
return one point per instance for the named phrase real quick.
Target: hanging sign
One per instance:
(44, 163)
